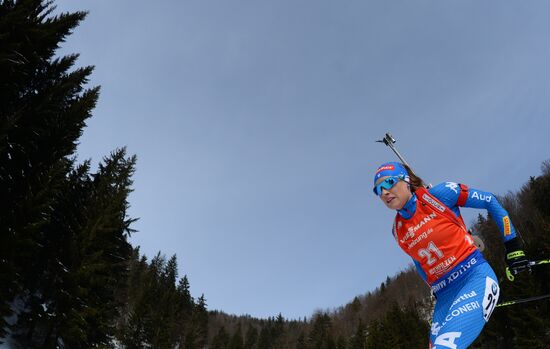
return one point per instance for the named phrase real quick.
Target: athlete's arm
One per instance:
(454, 195)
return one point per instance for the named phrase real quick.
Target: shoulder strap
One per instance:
(428, 199)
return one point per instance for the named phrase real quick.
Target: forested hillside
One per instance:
(396, 314)
(69, 278)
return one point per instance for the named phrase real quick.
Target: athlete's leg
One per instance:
(461, 314)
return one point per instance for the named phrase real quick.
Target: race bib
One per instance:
(492, 292)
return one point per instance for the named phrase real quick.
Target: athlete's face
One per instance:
(397, 196)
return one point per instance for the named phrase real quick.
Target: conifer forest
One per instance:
(69, 277)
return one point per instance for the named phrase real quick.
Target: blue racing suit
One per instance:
(467, 294)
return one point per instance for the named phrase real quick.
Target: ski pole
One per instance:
(511, 276)
(389, 141)
(523, 300)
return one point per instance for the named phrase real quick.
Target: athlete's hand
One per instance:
(515, 256)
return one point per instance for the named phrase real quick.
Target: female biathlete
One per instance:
(429, 228)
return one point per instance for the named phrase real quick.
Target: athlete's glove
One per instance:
(515, 256)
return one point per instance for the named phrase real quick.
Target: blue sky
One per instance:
(254, 125)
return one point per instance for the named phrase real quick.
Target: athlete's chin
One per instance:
(394, 204)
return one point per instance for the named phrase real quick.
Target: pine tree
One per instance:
(301, 342)
(266, 338)
(42, 112)
(197, 332)
(84, 260)
(251, 337)
(68, 227)
(358, 340)
(375, 336)
(157, 313)
(355, 305)
(278, 333)
(320, 336)
(220, 340)
(236, 341)
(184, 310)
(400, 328)
(135, 317)
(341, 343)
(164, 310)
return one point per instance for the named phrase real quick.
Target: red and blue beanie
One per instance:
(391, 169)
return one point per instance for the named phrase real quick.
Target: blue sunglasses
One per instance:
(387, 184)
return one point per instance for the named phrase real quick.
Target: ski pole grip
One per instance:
(509, 274)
